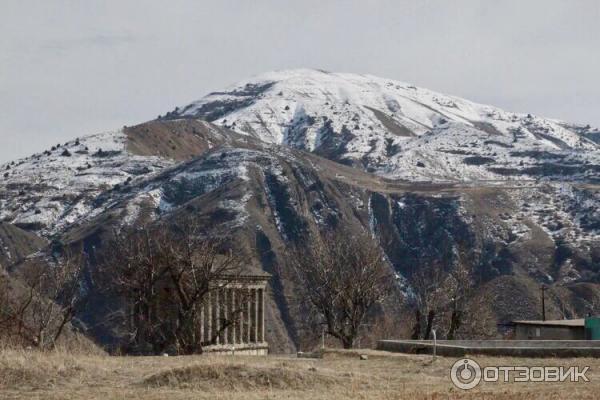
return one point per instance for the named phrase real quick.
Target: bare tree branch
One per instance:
(342, 276)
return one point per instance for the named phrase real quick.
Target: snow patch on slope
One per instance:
(381, 124)
(48, 191)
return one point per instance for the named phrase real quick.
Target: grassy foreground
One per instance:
(339, 375)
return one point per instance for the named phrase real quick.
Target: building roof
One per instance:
(556, 322)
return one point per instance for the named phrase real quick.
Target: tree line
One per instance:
(346, 286)
(159, 277)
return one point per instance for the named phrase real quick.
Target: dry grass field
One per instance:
(339, 375)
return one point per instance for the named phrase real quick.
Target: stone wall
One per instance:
(512, 348)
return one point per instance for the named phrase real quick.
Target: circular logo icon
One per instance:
(465, 374)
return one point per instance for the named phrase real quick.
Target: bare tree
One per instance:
(13, 307)
(342, 277)
(195, 267)
(43, 300)
(438, 293)
(164, 274)
(132, 271)
(460, 287)
(426, 283)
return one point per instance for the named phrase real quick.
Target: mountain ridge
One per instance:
(393, 128)
(517, 226)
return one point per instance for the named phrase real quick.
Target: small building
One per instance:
(592, 328)
(229, 320)
(561, 329)
(234, 315)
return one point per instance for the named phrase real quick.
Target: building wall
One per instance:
(592, 328)
(546, 332)
(509, 348)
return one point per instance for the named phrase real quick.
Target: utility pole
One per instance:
(543, 289)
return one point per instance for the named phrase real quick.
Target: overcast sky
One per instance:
(70, 68)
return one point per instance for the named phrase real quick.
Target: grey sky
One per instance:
(70, 68)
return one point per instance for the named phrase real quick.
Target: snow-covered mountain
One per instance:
(513, 196)
(398, 130)
(389, 128)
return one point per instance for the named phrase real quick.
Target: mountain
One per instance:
(436, 179)
(397, 130)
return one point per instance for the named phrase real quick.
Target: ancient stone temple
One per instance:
(234, 315)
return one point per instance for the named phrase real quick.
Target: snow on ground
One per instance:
(50, 190)
(177, 185)
(373, 119)
(561, 210)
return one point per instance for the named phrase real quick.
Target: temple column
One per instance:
(209, 317)
(217, 317)
(226, 316)
(233, 316)
(262, 315)
(202, 322)
(240, 317)
(241, 307)
(248, 315)
(255, 298)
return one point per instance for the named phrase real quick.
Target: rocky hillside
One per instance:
(282, 158)
(49, 191)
